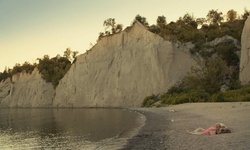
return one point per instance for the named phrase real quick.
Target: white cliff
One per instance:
(26, 90)
(122, 69)
(245, 54)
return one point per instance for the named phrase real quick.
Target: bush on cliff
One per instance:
(51, 69)
(27, 67)
(4, 75)
(18, 68)
(54, 69)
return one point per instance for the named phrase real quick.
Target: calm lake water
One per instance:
(64, 128)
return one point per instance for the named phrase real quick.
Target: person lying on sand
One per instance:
(217, 128)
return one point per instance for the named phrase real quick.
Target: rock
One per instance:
(224, 39)
(122, 69)
(245, 53)
(26, 90)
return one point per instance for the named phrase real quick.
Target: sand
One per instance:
(166, 129)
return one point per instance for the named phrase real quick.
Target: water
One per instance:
(65, 128)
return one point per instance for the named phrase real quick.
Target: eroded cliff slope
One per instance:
(26, 90)
(245, 54)
(122, 69)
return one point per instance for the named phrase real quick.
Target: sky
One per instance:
(30, 29)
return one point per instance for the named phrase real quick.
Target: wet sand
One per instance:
(166, 129)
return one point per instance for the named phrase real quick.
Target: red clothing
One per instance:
(207, 132)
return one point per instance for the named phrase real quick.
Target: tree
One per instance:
(200, 21)
(161, 21)
(187, 18)
(231, 15)
(74, 53)
(3, 76)
(67, 53)
(70, 55)
(118, 28)
(190, 20)
(209, 77)
(111, 27)
(227, 51)
(27, 67)
(142, 20)
(54, 69)
(110, 23)
(246, 14)
(46, 57)
(214, 17)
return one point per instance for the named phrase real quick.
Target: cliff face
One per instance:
(119, 71)
(26, 90)
(122, 69)
(245, 53)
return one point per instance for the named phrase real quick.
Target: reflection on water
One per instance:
(62, 128)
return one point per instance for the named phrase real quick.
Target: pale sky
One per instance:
(29, 29)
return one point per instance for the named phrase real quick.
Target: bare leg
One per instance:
(198, 131)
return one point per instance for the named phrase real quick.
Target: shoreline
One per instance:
(165, 127)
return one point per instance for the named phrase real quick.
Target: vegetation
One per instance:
(231, 15)
(142, 20)
(215, 81)
(150, 100)
(110, 27)
(209, 77)
(5, 75)
(51, 69)
(214, 17)
(217, 78)
(54, 69)
(18, 68)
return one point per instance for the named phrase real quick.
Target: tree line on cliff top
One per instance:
(188, 28)
(199, 31)
(51, 69)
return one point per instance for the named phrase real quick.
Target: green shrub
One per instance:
(242, 94)
(245, 98)
(165, 98)
(180, 99)
(149, 101)
(176, 89)
(54, 69)
(198, 96)
(231, 99)
(159, 105)
(238, 92)
(173, 99)
(217, 97)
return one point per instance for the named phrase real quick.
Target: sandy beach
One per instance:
(165, 128)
